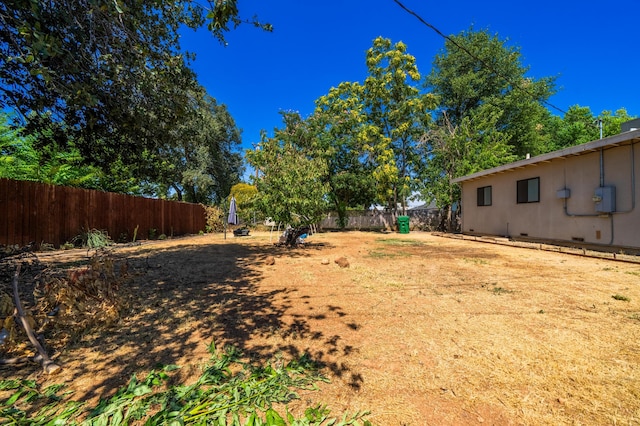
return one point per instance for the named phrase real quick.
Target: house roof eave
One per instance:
(609, 142)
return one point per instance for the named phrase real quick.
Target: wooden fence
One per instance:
(40, 213)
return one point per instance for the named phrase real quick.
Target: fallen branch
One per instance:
(47, 364)
(16, 361)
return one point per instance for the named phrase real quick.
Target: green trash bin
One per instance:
(403, 224)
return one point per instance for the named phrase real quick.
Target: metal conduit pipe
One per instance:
(565, 204)
(633, 192)
(633, 186)
(611, 240)
(566, 210)
(601, 167)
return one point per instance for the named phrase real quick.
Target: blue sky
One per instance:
(591, 47)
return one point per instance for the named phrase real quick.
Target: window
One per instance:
(529, 190)
(484, 196)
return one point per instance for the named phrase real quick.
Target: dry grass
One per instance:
(451, 332)
(418, 329)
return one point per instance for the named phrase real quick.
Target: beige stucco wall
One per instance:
(551, 218)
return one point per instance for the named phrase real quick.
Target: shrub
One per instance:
(93, 239)
(215, 218)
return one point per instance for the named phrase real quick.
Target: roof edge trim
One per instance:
(621, 138)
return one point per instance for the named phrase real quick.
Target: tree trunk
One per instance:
(178, 192)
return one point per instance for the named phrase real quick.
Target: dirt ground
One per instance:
(418, 329)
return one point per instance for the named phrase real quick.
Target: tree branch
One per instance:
(47, 364)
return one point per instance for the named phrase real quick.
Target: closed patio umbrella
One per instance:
(233, 216)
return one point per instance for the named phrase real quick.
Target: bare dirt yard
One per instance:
(418, 329)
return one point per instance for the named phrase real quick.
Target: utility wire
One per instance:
(464, 49)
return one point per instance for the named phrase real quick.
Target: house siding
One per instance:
(553, 218)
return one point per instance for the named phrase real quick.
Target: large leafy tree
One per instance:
(112, 71)
(478, 70)
(457, 150)
(361, 140)
(367, 132)
(201, 163)
(349, 146)
(396, 106)
(489, 113)
(290, 182)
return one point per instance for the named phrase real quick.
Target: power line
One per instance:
(485, 64)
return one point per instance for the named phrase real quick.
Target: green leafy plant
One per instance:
(52, 407)
(93, 239)
(229, 392)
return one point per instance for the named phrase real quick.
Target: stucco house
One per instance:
(585, 194)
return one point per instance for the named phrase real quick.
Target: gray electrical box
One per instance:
(605, 199)
(563, 193)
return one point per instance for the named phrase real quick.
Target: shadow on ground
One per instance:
(182, 299)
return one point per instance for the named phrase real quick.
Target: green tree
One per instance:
(399, 110)
(453, 151)
(579, 126)
(245, 194)
(111, 71)
(291, 187)
(346, 142)
(612, 121)
(200, 163)
(365, 135)
(18, 159)
(489, 113)
(476, 69)
(54, 164)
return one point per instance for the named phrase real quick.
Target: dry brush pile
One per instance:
(55, 306)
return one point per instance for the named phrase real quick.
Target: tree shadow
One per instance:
(182, 299)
